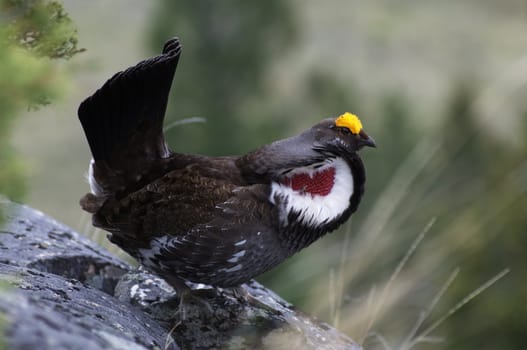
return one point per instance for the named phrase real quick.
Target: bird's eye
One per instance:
(345, 131)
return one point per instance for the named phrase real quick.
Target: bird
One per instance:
(218, 221)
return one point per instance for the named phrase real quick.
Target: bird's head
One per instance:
(332, 138)
(317, 178)
(322, 177)
(343, 135)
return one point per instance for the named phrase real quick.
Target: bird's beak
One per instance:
(366, 140)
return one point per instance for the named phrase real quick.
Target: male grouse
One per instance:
(218, 221)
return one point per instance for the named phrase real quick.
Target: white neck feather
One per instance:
(95, 188)
(316, 209)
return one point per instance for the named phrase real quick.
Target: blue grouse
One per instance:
(214, 220)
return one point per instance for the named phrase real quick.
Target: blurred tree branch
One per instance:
(33, 33)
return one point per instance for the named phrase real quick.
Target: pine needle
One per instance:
(341, 278)
(395, 274)
(458, 306)
(179, 122)
(425, 313)
(381, 340)
(332, 294)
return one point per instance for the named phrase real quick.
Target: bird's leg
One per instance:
(243, 295)
(186, 295)
(240, 293)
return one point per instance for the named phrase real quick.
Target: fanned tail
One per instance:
(123, 123)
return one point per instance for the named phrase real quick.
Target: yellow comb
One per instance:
(350, 121)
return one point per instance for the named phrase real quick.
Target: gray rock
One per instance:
(65, 292)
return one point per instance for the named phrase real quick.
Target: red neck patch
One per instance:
(320, 183)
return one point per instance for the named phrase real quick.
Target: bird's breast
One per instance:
(318, 193)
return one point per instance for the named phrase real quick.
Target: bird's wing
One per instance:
(174, 204)
(189, 222)
(238, 244)
(123, 120)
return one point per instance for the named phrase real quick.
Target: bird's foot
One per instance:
(244, 296)
(188, 297)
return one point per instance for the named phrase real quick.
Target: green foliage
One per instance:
(485, 203)
(42, 27)
(3, 330)
(32, 33)
(474, 184)
(228, 47)
(11, 174)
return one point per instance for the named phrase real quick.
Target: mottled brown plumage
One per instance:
(219, 221)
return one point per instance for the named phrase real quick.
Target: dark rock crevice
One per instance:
(92, 271)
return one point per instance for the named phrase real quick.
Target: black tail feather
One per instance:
(130, 108)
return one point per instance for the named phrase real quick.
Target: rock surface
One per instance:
(65, 292)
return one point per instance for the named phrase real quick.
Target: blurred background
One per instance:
(440, 85)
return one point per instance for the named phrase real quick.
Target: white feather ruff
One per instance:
(317, 209)
(95, 188)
